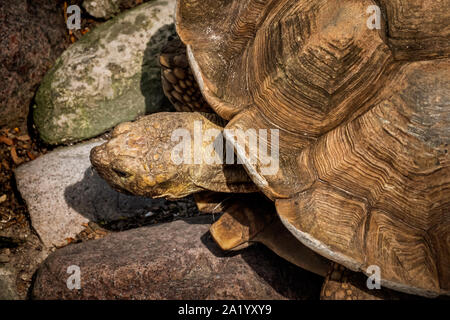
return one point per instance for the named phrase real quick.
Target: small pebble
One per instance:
(4, 258)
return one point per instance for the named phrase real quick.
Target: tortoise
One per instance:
(361, 117)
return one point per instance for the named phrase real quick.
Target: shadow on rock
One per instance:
(150, 84)
(93, 198)
(303, 285)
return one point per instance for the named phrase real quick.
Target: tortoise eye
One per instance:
(121, 173)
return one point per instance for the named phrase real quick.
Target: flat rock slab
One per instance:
(62, 192)
(176, 260)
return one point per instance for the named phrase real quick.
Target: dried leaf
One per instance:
(3, 198)
(24, 137)
(65, 11)
(20, 219)
(6, 140)
(14, 156)
(5, 164)
(101, 232)
(31, 156)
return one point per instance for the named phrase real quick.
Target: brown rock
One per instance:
(176, 260)
(33, 36)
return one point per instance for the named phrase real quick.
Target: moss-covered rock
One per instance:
(107, 8)
(109, 76)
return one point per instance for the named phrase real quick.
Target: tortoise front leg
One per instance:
(252, 218)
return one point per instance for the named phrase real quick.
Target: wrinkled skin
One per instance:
(137, 160)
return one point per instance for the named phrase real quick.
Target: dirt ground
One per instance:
(20, 247)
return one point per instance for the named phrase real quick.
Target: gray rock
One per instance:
(62, 191)
(109, 76)
(108, 8)
(176, 260)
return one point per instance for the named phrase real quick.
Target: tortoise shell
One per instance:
(363, 116)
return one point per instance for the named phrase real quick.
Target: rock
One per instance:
(33, 36)
(63, 192)
(4, 258)
(109, 76)
(7, 284)
(176, 260)
(107, 8)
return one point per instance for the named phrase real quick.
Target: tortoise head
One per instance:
(135, 161)
(118, 160)
(144, 157)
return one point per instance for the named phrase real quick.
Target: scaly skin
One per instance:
(343, 284)
(177, 80)
(138, 159)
